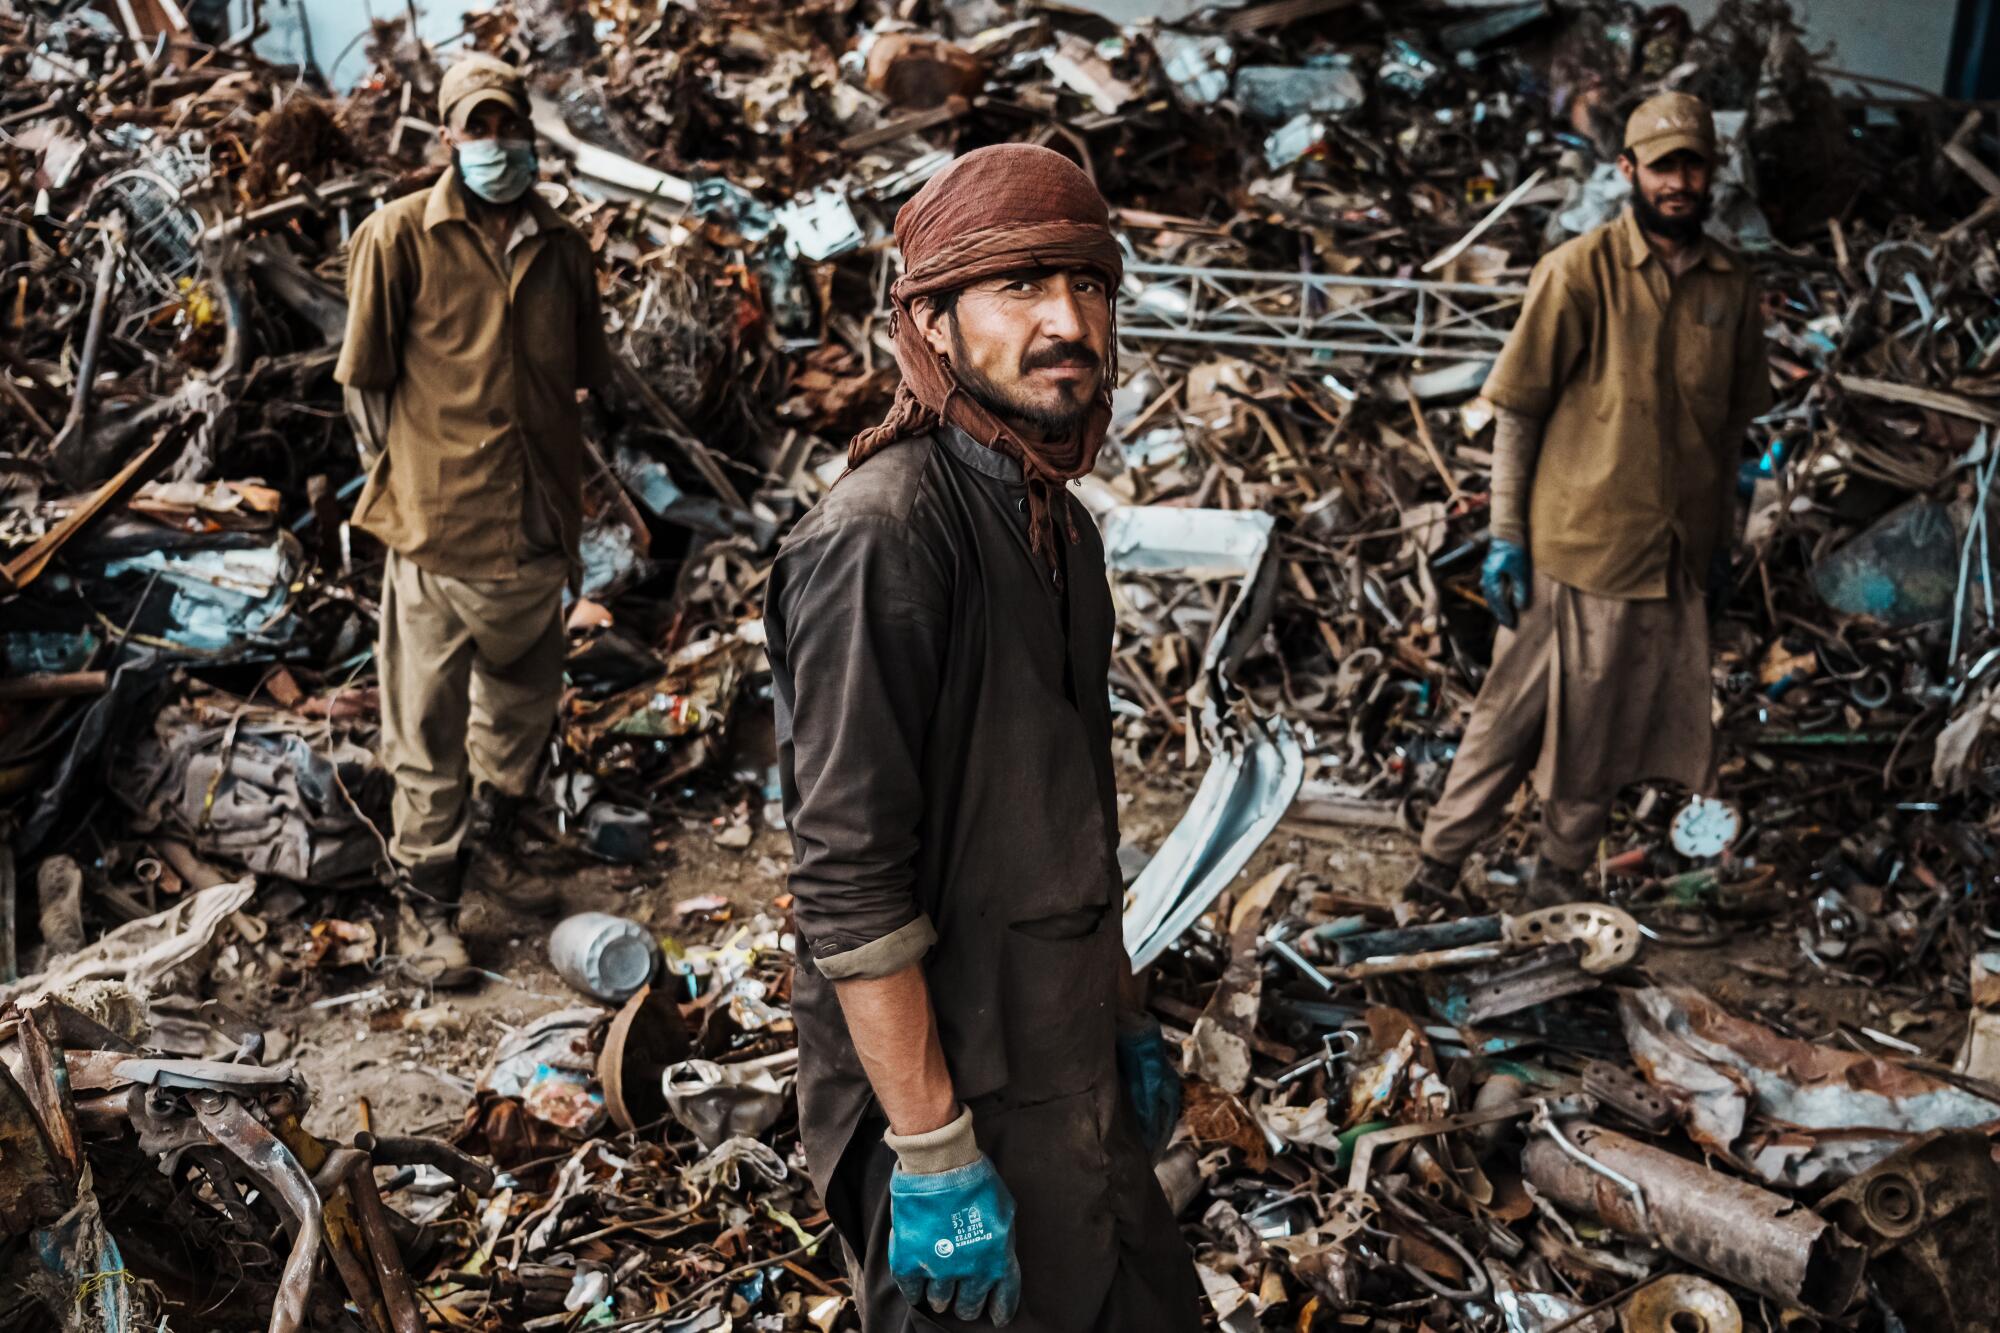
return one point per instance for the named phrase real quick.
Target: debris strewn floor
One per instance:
(1752, 1084)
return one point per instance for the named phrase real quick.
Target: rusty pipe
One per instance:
(354, 1275)
(353, 1168)
(397, 1289)
(1735, 1230)
(108, 266)
(394, 1150)
(229, 1122)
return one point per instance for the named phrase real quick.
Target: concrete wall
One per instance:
(1906, 40)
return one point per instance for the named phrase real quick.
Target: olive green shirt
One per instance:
(482, 353)
(1645, 382)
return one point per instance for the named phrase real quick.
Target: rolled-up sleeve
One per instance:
(377, 304)
(1542, 352)
(856, 615)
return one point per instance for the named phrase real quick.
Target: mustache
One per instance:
(1060, 354)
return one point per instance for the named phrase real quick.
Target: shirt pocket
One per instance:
(547, 302)
(1705, 354)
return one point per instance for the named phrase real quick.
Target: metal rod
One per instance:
(93, 334)
(1276, 277)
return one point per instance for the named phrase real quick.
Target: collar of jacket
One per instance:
(979, 458)
(447, 204)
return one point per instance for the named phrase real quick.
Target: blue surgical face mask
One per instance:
(497, 170)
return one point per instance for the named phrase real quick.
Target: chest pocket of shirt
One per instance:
(546, 299)
(1704, 354)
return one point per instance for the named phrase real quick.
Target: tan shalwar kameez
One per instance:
(476, 491)
(1644, 382)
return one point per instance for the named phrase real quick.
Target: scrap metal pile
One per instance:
(1330, 209)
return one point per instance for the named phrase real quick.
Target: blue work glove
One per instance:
(1506, 581)
(1152, 1084)
(951, 1241)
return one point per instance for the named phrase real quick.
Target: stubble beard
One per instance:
(1051, 423)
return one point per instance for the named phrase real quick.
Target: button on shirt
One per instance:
(482, 354)
(1645, 382)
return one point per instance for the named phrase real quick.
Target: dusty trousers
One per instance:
(1100, 1251)
(1587, 694)
(471, 673)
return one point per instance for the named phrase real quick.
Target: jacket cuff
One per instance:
(882, 957)
(944, 1149)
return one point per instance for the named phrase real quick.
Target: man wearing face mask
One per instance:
(473, 321)
(1621, 399)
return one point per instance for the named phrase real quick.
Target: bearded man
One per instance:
(1622, 399)
(979, 1101)
(473, 322)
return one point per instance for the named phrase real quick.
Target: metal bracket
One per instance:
(1543, 1123)
(1609, 936)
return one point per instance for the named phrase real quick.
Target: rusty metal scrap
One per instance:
(1747, 1235)
(1331, 212)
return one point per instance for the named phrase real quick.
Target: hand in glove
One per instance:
(1152, 1084)
(951, 1232)
(1506, 580)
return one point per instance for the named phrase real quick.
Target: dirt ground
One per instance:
(379, 1051)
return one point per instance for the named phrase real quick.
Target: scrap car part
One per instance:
(34, 1185)
(1681, 1303)
(1928, 1215)
(1370, 1143)
(1605, 938)
(1483, 994)
(1737, 1231)
(1629, 1095)
(1258, 763)
(229, 1122)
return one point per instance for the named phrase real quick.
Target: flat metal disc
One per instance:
(647, 1035)
(1682, 1303)
(1704, 829)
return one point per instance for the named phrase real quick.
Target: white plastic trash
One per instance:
(603, 955)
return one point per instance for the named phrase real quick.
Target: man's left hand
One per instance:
(1152, 1084)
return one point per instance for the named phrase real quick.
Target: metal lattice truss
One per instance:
(1317, 312)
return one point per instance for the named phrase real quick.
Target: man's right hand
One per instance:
(1506, 581)
(951, 1241)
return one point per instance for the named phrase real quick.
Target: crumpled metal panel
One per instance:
(32, 1188)
(224, 598)
(1795, 1113)
(1258, 763)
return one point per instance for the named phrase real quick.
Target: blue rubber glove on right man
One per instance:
(951, 1232)
(1505, 581)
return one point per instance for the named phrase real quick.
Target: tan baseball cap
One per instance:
(479, 78)
(1667, 123)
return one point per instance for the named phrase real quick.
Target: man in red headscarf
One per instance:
(979, 1110)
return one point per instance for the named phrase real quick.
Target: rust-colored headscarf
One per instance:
(1011, 206)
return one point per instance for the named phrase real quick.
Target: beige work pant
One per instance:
(471, 674)
(1588, 694)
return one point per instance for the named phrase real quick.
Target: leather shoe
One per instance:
(1434, 887)
(1550, 885)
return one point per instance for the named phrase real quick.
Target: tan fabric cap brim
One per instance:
(461, 110)
(1652, 150)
